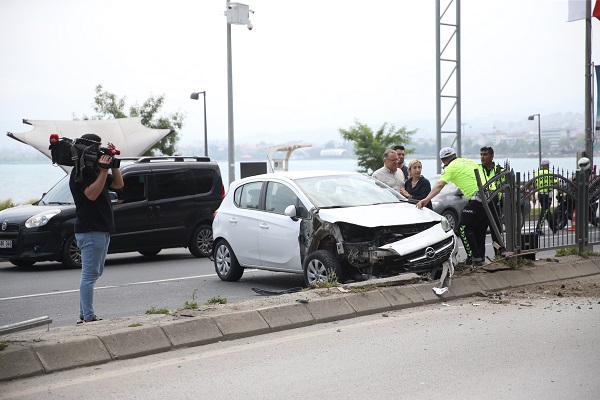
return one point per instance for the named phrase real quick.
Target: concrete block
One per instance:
(192, 332)
(18, 362)
(397, 297)
(465, 286)
(241, 324)
(565, 271)
(365, 303)
(429, 296)
(516, 278)
(493, 281)
(330, 309)
(587, 267)
(542, 274)
(287, 316)
(135, 341)
(76, 352)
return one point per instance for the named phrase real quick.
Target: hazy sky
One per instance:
(306, 69)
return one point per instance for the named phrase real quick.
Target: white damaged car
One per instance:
(320, 223)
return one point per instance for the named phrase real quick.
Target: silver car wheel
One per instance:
(223, 259)
(316, 272)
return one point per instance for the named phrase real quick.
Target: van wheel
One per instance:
(201, 241)
(149, 252)
(321, 266)
(71, 254)
(226, 264)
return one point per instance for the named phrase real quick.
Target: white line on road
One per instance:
(108, 287)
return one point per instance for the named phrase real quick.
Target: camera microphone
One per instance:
(54, 138)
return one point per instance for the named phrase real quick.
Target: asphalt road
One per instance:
(463, 349)
(131, 284)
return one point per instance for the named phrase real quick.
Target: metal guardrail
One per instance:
(21, 326)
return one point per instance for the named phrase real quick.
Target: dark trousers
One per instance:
(472, 229)
(545, 201)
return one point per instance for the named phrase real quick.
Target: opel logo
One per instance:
(4, 225)
(430, 252)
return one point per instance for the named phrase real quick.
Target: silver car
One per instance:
(321, 223)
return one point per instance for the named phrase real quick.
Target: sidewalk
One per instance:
(38, 352)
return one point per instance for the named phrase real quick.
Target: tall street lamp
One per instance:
(239, 14)
(531, 118)
(196, 96)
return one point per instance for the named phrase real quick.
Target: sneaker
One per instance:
(469, 261)
(478, 262)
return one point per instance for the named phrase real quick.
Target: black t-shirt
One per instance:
(92, 216)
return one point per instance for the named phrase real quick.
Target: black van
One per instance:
(166, 202)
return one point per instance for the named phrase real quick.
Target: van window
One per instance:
(173, 184)
(203, 180)
(133, 190)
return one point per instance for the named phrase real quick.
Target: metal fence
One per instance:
(544, 209)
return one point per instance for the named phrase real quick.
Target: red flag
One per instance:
(596, 12)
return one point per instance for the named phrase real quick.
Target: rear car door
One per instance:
(135, 219)
(172, 191)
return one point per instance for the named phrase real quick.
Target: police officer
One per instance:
(545, 183)
(461, 172)
(488, 170)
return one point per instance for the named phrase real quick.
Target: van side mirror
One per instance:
(113, 197)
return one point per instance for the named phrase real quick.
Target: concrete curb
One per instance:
(24, 358)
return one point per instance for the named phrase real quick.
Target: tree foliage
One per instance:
(108, 105)
(369, 147)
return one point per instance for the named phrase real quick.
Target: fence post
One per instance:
(582, 227)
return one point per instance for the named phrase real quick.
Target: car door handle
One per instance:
(150, 212)
(157, 211)
(233, 220)
(264, 226)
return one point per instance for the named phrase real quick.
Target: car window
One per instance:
(59, 194)
(134, 189)
(248, 195)
(173, 184)
(203, 180)
(346, 191)
(279, 197)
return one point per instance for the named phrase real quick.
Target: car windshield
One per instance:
(59, 194)
(347, 191)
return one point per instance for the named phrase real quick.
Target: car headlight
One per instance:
(40, 219)
(445, 224)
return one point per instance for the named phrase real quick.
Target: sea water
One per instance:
(27, 182)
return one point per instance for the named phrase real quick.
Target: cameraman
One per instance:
(94, 224)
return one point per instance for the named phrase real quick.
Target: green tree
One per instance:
(369, 146)
(109, 105)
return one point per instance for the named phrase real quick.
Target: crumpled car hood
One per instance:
(380, 215)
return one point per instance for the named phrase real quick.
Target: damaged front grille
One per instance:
(381, 235)
(429, 257)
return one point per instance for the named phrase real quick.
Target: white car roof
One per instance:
(294, 175)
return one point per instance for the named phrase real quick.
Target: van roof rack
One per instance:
(172, 158)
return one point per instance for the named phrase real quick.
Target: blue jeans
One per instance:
(94, 246)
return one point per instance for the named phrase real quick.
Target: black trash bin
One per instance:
(529, 241)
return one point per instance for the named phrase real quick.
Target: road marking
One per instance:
(107, 287)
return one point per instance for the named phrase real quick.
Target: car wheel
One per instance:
(452, 218)
(71, 254)
(22, 263)
(201, 241)
(226, 264)
(321, 265)
(149, 252)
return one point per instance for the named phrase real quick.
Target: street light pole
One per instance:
(196, 96)
(239, 14)
(531, 118)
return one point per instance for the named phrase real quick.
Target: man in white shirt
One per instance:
(389, 173)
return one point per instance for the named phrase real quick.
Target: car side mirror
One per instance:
(290, 211)
(113, 197)
(459, 193)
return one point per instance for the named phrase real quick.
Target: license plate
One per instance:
(5, 244)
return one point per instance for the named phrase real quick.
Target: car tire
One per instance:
(452, 218)
(319, 265)
(71, 254)
(201, 241)
(149, 252)
(226, 264)
(22, 263)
